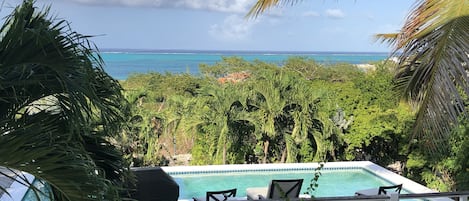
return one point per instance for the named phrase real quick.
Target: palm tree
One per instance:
(283, 106)
(223, 104)
(433, 48)
(267, 103)
(177, 117)
(58, 108)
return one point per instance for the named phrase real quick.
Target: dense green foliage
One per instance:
(58, 109)
(447, 170)
(432, 49)
(254, 112)
(240, 112)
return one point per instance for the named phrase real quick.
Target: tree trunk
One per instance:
(284, 155)
(266, 151)
(224, 154)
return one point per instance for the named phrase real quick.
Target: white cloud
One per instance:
(335, 13)
(233, 6)
(233, 28)
(310, 14)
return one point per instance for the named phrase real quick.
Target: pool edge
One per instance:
(408, 185)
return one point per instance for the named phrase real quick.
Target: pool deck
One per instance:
(408, 185)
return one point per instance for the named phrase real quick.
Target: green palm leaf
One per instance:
(434, 46)
(224, 103)
(263, 5)
(58, 108)
(433, 75)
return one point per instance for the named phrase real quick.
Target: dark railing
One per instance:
(444, 196)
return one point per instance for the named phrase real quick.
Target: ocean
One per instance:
(121, 63)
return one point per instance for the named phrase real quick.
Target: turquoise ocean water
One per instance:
(121, 63)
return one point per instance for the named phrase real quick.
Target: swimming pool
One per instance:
(337, 179)
(331, 182)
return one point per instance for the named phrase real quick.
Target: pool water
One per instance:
(343, 182)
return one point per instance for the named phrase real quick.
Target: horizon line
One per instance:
(233, 50)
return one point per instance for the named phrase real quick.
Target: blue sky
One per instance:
(311, 25)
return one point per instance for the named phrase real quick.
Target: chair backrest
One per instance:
(220, 195)
(289, 188)
(384, 189)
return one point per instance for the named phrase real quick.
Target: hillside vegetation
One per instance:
(239, 112)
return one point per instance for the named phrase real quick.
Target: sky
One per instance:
(309, 25)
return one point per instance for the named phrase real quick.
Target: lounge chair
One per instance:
(277, 189)
(382, 190)
(218, 195)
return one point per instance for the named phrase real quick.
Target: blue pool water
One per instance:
(331, 183)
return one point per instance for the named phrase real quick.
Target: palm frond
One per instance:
(41, 147)
(58, 108)
(389, 38)
(433, 48)
(433, 75)
(430, 15)
(263, 5)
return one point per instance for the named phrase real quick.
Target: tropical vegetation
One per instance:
(433, 51)
(68, 123)
(58, 110)
(256, 112)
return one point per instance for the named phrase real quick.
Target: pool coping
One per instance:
(408, 185)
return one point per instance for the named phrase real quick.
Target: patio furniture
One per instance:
(382, 190)
(287, 188)
(218, 195)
